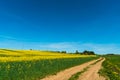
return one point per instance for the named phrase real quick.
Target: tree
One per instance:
(91, 53)
(63, 52)
(77, 52)
(85, 52)
(88, 52)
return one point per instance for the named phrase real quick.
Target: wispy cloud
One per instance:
(68, 46)
(7, 37)
(72, 46)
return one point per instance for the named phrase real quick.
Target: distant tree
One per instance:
(85, 52)
(57, 51)
(110, 54)
(63, 51)
(77, 52)
(88, 52)
(91, 53)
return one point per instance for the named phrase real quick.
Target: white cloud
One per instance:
(68, 46)
(7, 37)
(103, 48)
(72, 46)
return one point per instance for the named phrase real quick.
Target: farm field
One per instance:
(32, 65)
(59, 40)
(111, 67)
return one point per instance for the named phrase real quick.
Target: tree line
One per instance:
(86, 52)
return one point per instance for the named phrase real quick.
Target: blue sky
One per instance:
(60, 25)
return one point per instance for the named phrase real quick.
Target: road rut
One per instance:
(66, 74)
(92, 72)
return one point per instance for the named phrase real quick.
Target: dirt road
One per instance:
(92, 72)
(66, 74)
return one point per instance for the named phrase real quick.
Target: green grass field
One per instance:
(111, 67)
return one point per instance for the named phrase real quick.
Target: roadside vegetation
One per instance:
(111, 67)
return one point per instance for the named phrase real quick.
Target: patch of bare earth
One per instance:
(66, 74)
(92, 72)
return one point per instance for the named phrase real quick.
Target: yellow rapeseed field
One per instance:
(25, 55)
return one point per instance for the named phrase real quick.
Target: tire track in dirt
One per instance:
(66, 74)
(92, 72)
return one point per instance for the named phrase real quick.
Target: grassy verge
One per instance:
(111, 68)
(32, 70)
